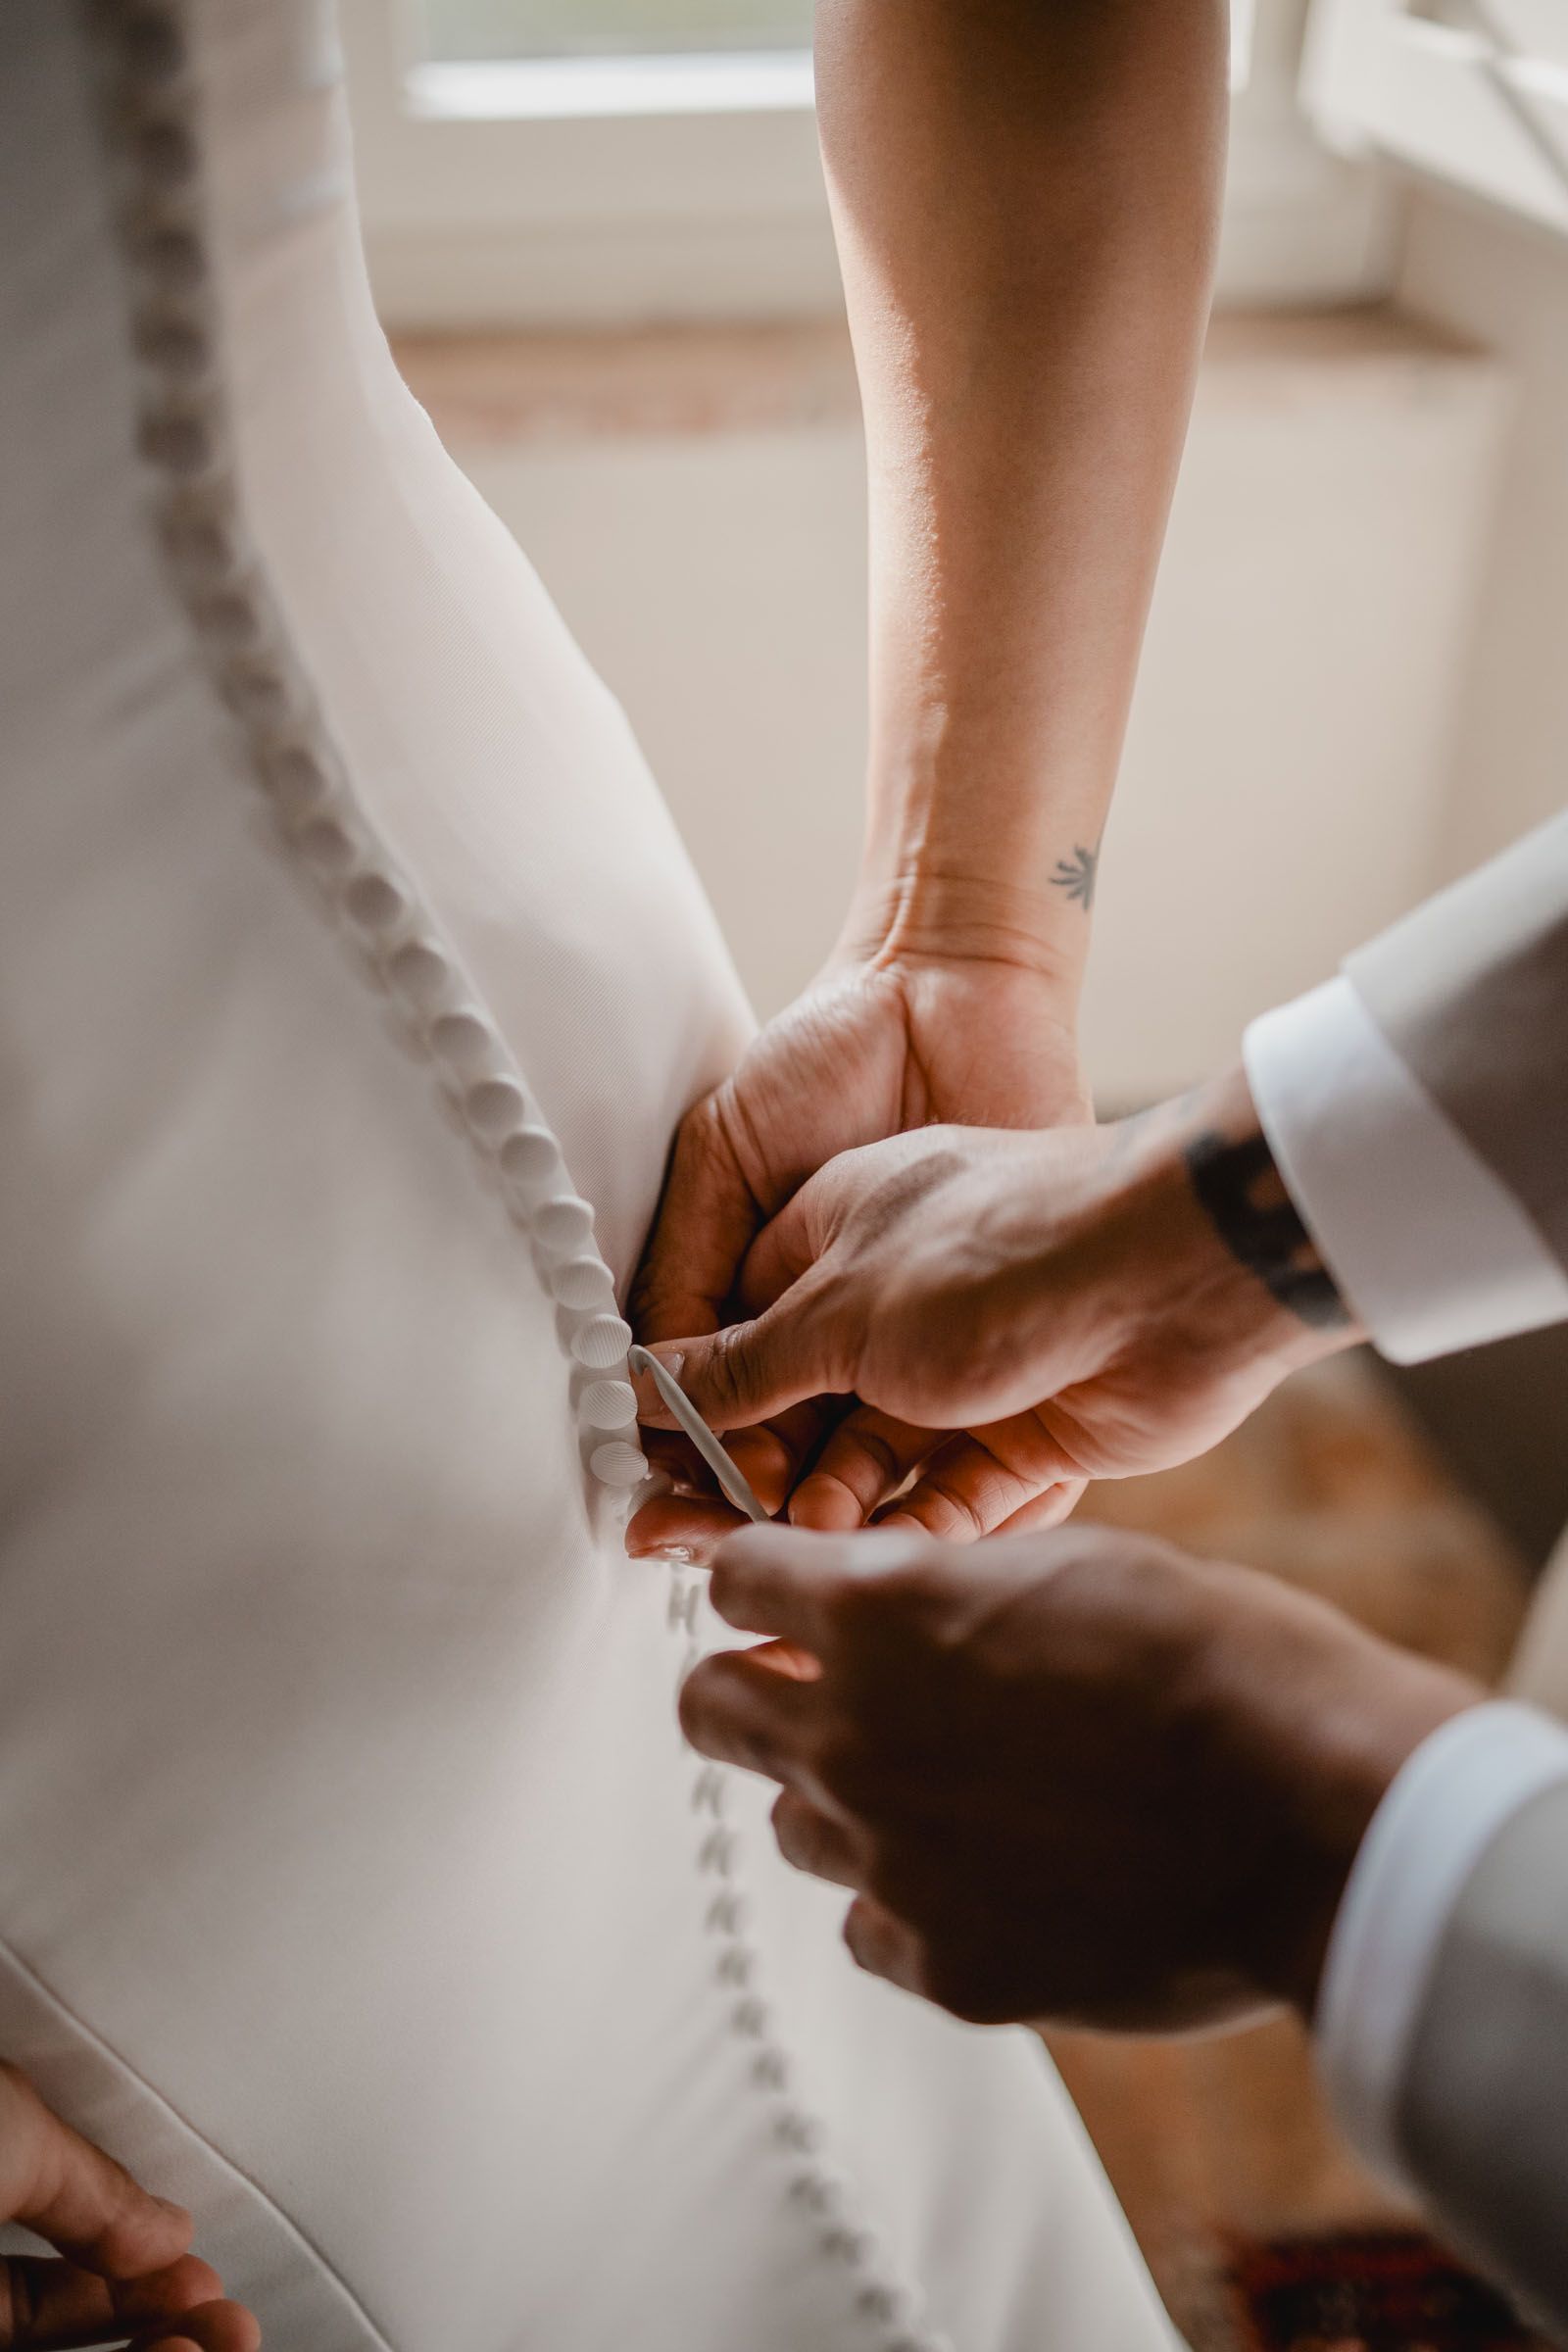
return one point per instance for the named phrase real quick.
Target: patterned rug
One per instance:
(1384, 2291)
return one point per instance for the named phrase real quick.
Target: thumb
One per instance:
(705, 1221)
(750, 1372)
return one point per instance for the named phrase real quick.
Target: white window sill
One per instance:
(579, 88)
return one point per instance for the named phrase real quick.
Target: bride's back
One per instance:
(352, 1881)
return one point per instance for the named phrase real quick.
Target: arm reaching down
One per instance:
(1016, 1311)
(1026, 195)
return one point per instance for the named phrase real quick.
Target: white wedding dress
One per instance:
(355, 1886)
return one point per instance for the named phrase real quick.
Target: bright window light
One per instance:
(462, 31)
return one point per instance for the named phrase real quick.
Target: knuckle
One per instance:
(725, 1374)
(879, 1453)
(950, 1510)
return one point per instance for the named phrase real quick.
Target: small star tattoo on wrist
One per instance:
(1076, 875)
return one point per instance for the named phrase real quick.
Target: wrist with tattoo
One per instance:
(1243, 1195)
(1232, 1250)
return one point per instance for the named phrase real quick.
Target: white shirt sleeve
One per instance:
(1452, 1796)
(1428, 1249)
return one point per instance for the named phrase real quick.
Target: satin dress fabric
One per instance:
(355, 1885)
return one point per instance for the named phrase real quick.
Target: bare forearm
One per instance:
(1026, 195)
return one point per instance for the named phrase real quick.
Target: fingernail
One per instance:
(650, 1404)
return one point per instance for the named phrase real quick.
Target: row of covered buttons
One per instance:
(815, 2188)
(183, 437)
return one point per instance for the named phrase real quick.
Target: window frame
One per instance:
(1459, 104)
(556, 194)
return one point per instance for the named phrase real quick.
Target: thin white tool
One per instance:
(730, 1478)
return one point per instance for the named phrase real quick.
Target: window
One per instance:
(1474, 92)
(602, 162)
(466, 29)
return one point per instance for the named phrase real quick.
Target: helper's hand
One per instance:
(1088, 1302)
(876, 1047)
(125, 2270)
(1073, 1776)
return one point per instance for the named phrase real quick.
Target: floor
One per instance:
(1220, 2149)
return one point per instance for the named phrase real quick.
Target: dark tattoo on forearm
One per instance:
(1240, 1189)
(1076, 875)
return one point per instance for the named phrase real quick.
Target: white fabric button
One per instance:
(165, 153)
(802, 2132)
(728, 1912)
(171, 256)
(680, 1610)
(771, 2071)
(170, 343)
(751, 2018)
(495, 1107)
(601, 1343)
(229, 618)
(153, 47)
(818, 2191)
(854, 2246)
(255, 690)
(582, 1281)
(618, 1465)
(326, 848)
(717, 1852)
(376, 903)
(197, 545)
(563, 1224)
(421, 976)
(178, 441)
(532, 1157)
(296, 781)
(464, 1043)
(607, 1404)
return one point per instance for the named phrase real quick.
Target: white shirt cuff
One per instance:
(1449, 1801)
(1428, 1249)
